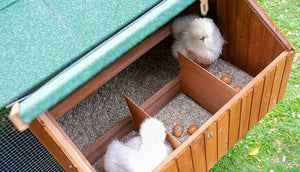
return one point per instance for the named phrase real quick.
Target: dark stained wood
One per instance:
(234, 123)
(276, 84)
(245, 113)
(256, 101)
(211, 145)
(37, 129)
(185, 161)
(223, 127)
(198, 154)
(242, 32)
(231, 24)
(196, 82)
(286, 75)
(222, 15)
(254, 45)
(269, 79)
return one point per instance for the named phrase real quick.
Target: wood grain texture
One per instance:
(245, 113)
(89, 87)
(254, 45)
(286, 74)
(256, 101)
(65, 143)
(222, 15)
(37, 129)
(267, 50)
(276, 84)
(223, 128)
(196, 82)
(185, 161)
(198, 154)
(171, 167)
(211, 145)
(94, 151)
(231, 24)
(242, 32)
(269, 79)
(234, 123)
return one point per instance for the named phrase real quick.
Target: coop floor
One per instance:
(103, 109)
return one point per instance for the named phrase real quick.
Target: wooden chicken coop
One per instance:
(254, 45)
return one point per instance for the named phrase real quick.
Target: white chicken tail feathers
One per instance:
(152, 131)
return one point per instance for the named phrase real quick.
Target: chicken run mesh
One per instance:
(22, 151)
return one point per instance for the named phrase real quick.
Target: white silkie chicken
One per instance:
(197, 38)
(140, 154)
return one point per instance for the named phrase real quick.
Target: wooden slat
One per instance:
(196, 82)
(65, 143)
(276, 84)
(173, 141)
(198, 154)
(222, 15)
(81, 93)
(256, 101)
(269, 79)
(234, 123)
(211, 145)
(185, 161)
(37, 129)
(171, 167)
(254, 44)
(223, 127)
(242, 32)
(268, 44)
(286, 75)
(231, 24)
(245, 113)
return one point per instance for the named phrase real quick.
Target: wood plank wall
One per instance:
(251, 45)
(236, 120)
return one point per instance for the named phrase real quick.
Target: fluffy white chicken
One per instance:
(197, 38)
(140, 154)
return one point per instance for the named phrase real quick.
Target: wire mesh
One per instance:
(22, 151)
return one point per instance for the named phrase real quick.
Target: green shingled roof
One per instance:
(39, 38)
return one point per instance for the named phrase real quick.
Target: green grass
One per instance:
(278, 133)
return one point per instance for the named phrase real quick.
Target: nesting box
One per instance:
(254, 45)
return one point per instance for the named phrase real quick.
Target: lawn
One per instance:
(278, 133)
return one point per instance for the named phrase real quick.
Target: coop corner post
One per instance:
(15, 119)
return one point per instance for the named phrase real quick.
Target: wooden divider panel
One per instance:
(223, 127)
(286, 75)
(202, 86)
(256, 101)
(137, 113)
(245, 113)
(234, 123)
(276, 83)
(171, 167)
(269, 79)
(242, 32)
(185, 161)
(211, 145)
(198, 154)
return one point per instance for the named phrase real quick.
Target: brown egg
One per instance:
(226, 79)
(238, 88)
(192, 129)
(178, 130)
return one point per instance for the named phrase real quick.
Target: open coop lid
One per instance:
(41, 38)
